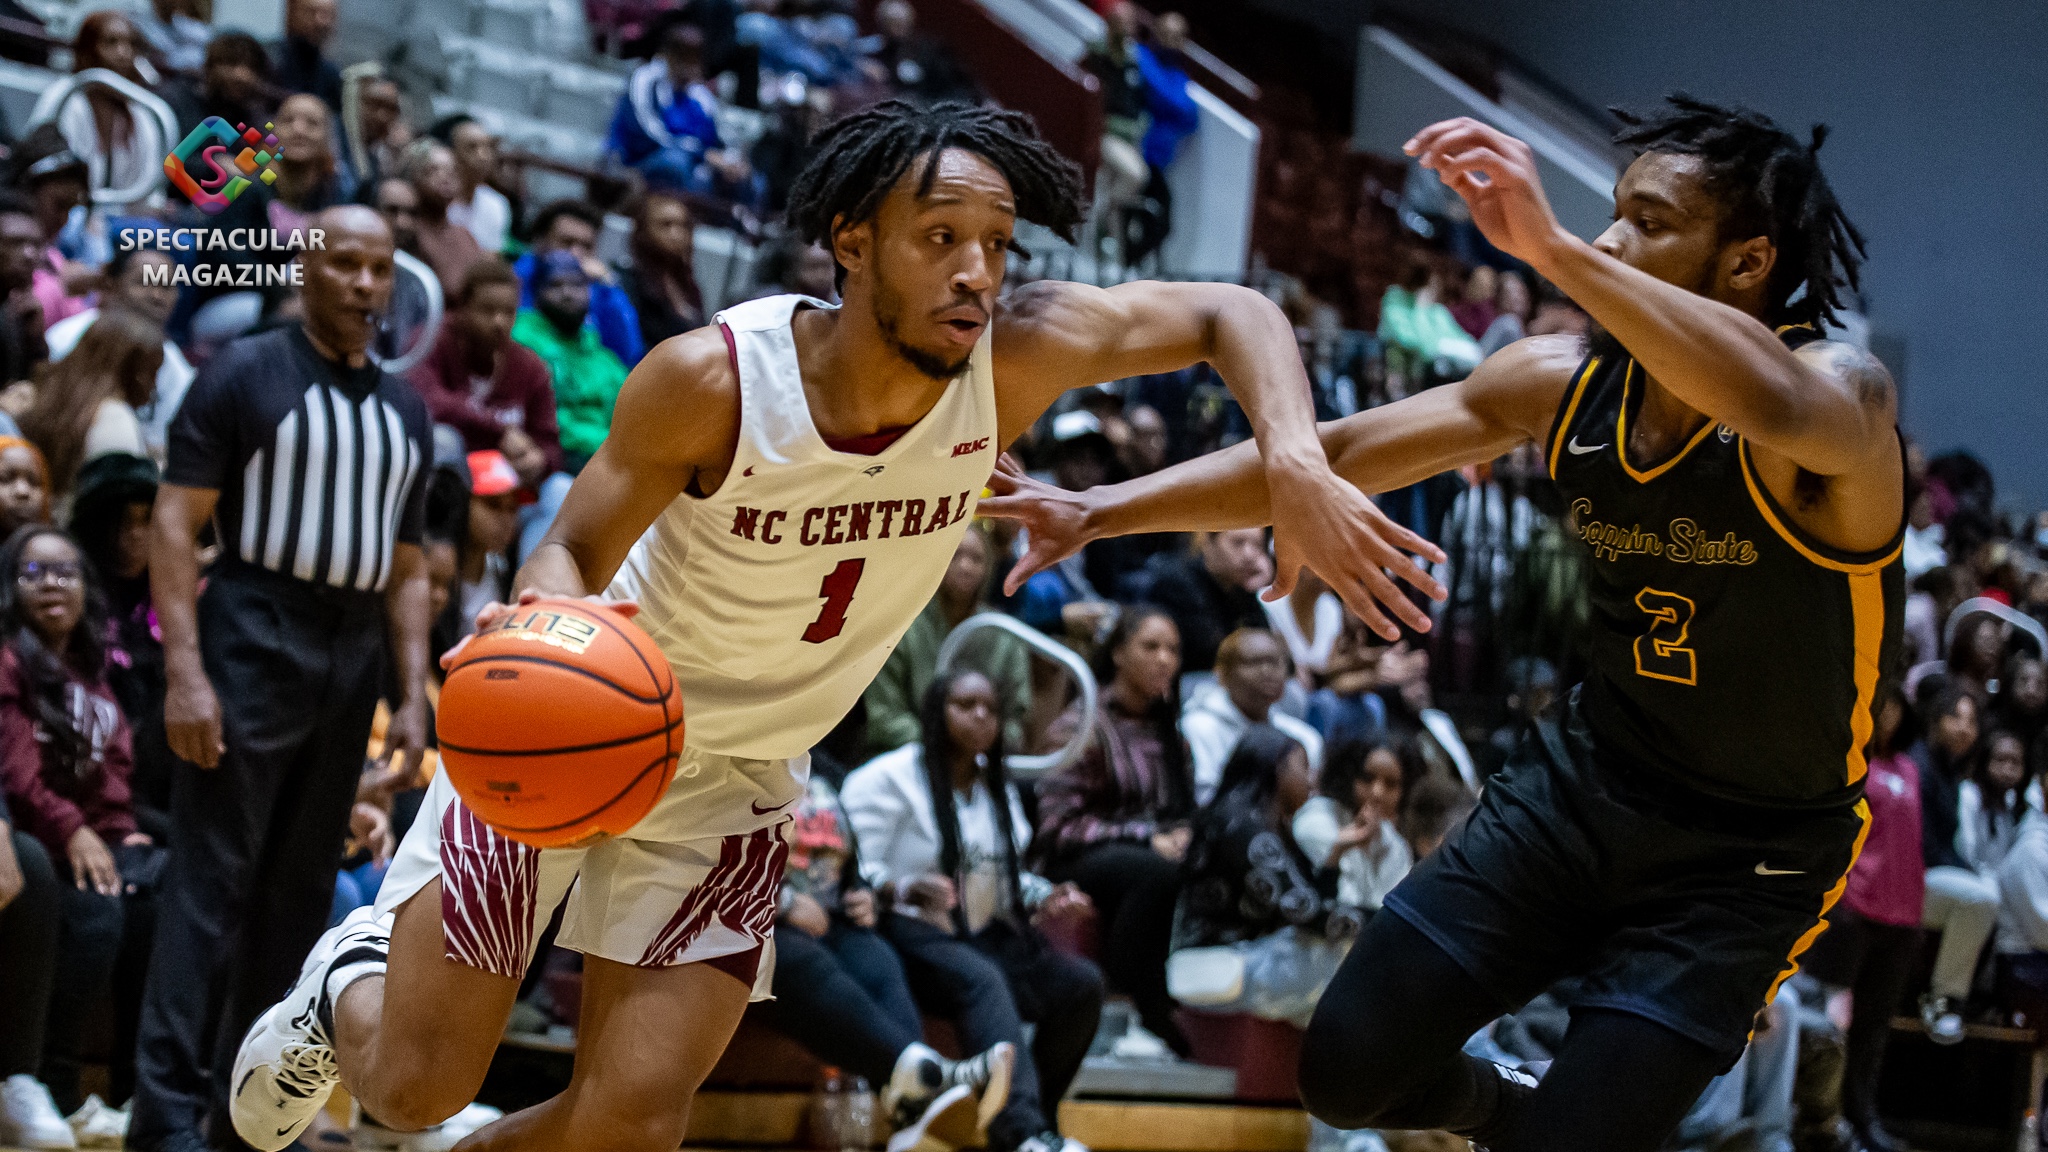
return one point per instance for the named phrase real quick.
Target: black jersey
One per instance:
(1731, 651)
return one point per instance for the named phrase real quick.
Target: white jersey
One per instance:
(778, 597)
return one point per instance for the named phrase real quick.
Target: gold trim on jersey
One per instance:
(1763, 505)
(1621, 436)
(1827, 904)
(1866, 608)
(1571, 409)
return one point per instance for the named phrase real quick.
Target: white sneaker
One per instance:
(29, 1118)
(1939, 1016)
(947, 1123)
(98, 1124)
(285, 1070)
(368, 1136)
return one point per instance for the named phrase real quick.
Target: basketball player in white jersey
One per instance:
(790, 484)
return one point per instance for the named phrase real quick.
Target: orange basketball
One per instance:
(561, 722)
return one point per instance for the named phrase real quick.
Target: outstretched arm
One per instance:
(1828, 409)
(1053, 336)
(1508, 400)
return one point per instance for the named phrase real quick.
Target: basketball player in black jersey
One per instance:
(1739, 485)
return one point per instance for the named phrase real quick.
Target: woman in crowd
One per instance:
(1977, 651)
(1115, 821)
(65, 760)
(86, 405)
(1874, 932)
(661, 283)
(98, 122)
(307, 176)
(1991, 803)
(1350, 825)
(1258, 929)
(2021, 705)
(24, 485)
(946, 835)
(1961, 905)
(840, 990)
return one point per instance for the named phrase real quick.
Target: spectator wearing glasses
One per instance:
(274, 675)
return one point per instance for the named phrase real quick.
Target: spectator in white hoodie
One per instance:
(1349, 825)
(1251, 676)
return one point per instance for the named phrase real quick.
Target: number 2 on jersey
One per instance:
(1661, 653)
(837, 589)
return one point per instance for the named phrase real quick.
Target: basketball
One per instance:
(562, 722)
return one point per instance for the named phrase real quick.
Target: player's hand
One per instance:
(493, 614)
(808, 916)
(1054, 519)
(1323, 523)
(369, 827)
(92, 866)
(192, 720)
(858, 905)
(1496, 175)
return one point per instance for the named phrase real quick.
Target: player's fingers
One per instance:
(1423, 140)
(1408, 541)
(1481, 160)
(1005, 506)
(626, 608)
(1357, 598)
(1284, 580)
(1034, 562)
(1397, 602)
(449, 657)
(1403, 567)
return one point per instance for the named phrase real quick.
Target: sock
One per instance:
(352, 965)
(918, 1074)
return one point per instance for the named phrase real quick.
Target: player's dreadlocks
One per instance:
(860, 157)
(1771, 185)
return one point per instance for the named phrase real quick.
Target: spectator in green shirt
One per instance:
(587, 378)
(587, 374)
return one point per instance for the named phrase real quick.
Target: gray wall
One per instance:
(1939, 153)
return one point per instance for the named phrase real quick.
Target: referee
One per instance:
(311, 464)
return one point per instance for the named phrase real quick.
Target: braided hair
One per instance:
(940, 749)
(1770, 184)
(860, 157)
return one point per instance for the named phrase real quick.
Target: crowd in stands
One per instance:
(1257, 776)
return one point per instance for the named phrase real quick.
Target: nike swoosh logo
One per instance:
(748, 472)
(1764, 870)
(1578, 449)
(760, 811)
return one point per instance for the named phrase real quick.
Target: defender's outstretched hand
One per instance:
(1496, 175)
(1055, 520)
(1322, 523)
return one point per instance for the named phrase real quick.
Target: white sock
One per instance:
(919, 1072)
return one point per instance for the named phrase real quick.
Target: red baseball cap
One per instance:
(490, 474)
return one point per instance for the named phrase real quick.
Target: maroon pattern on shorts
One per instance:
(740, 892)
(489, 886)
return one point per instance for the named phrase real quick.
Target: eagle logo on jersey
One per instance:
(874, 471)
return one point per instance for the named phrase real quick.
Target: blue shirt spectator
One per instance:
(572, 226)
(666, 126)
(1167, 99)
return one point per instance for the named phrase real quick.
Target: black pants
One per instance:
(256, 841)
(28, 958)
(988, 985)
(1384, 1051)
(88, 947)
(1874, 961)
(844, 996)
(1134, 889)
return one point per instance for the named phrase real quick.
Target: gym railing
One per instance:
(2004, 612)
(150, 114)
(1023, 767)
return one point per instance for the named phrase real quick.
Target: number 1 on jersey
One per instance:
(1661, 653)
(837, 589)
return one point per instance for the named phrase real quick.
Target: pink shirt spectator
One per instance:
(48, 287)
(1889, 881)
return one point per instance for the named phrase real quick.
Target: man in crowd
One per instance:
(21, 316)
(274, 674)
(230, 84)
(487, 386)
(661, 285)
(1251, 676)
(573, 226)
(378, 134)
(586, 375)
(447, 247)
(1213, 592)
(302, 64)
(128, 288)
(666, 124)
(479, 207)
(405, 321)
(913, 65)
(56, 180)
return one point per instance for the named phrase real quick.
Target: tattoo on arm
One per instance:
(1864, 373)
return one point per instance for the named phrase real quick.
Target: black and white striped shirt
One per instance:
(320, 467)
